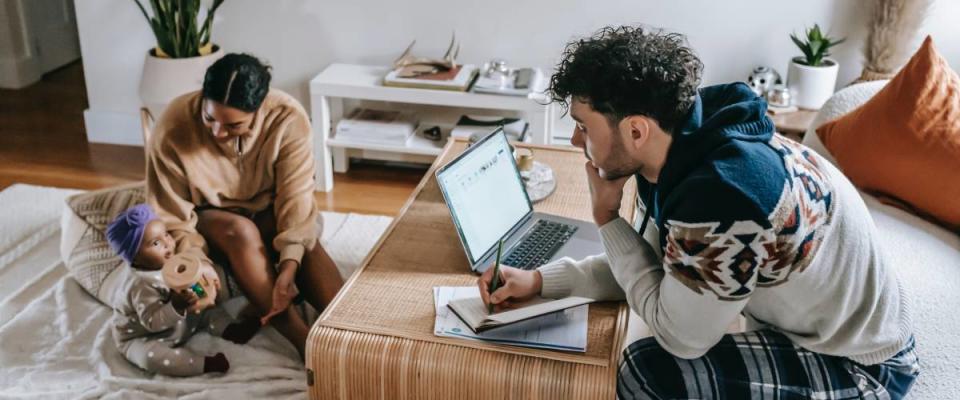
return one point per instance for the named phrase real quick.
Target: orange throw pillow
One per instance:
(905, 141)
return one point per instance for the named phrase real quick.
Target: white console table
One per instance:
(345, 81)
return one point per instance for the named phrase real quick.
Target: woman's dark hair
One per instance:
(623, 71)
(237, 80)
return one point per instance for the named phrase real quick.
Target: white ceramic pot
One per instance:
(164, 79)
(810, 87)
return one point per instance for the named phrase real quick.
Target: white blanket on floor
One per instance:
(55, 339)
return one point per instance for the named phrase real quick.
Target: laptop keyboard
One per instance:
(539, 244)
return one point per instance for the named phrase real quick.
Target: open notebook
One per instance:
(472, 311)
(563, 330)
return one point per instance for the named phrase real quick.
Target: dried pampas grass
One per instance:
(893, 25)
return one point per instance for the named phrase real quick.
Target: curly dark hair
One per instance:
(237, 80)
(623, 71)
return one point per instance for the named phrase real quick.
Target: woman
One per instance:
(230, 170)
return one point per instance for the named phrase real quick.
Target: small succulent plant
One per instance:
(815, 47)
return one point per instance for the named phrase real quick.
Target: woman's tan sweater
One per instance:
(272, 164)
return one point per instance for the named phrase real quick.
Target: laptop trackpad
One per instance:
(578, 248)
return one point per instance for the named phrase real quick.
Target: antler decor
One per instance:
(410, 66)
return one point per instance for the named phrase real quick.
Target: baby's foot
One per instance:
(216, 363)
(242, 331)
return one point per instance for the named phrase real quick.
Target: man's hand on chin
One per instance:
(605, 195)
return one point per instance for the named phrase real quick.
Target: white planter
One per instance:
(164, 79)
(809, 86)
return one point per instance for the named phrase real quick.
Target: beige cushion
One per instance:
(84, 247)
(83, 244)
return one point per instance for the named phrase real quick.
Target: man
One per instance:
(742, 222)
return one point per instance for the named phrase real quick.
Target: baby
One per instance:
(152, 322)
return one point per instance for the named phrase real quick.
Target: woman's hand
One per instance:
(284, 290)
(516, 286)
(184, 300)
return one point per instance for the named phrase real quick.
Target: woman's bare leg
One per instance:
(239, 239)
(318, 278)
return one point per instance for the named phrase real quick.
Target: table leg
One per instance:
(341, 163)
(320, 111)
(541, 125)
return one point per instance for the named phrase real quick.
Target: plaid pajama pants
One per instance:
(760, 365)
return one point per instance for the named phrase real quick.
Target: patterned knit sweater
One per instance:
(747, 222)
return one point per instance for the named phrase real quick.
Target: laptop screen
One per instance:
(484, 193)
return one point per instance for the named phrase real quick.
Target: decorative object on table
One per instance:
(431, 73)
(476, 127)
(779, 100)
(762, 79)
(497, 78)
(432, 133)
(444, 73)
(892, 28)
(377, 126)
(539, 181)
(410, 66)
(524, 156)
(813, 76)
(497, 71)
(183, 52)
(537, 177)
(457, 79)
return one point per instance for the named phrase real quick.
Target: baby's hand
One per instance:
(211, 274)
(184, 300)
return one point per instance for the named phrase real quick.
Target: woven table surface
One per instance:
(384, 316)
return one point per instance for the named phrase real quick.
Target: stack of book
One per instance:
(458, 79)
(377, 126)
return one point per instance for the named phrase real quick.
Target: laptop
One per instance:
(488, 202)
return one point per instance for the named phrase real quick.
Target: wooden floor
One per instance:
(43, 142)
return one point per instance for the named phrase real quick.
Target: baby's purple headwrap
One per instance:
(126, 231)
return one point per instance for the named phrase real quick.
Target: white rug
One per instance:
(55, 339)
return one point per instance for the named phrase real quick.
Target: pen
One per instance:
(495, 281)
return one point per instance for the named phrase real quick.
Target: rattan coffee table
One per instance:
(376, 341)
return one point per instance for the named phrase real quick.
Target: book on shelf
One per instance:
(478, 126)
(377, 126)
(457, 79)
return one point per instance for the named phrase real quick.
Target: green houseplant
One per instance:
(175, 25)
(815, 46)
(812, 77)
(183, 51)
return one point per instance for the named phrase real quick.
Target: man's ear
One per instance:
(636, 130)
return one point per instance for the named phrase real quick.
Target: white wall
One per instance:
(299, 37)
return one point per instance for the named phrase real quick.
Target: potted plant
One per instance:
(812, 77)
(183, 52)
